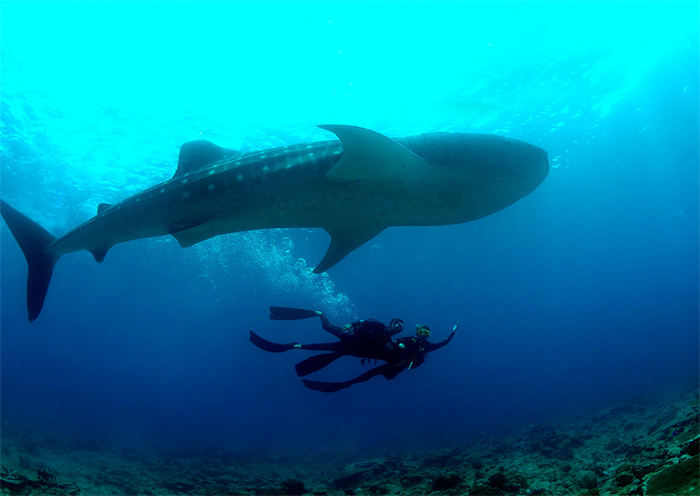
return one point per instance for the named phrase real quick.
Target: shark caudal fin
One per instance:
(35, 242)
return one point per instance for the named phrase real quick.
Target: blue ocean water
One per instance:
(581, 294)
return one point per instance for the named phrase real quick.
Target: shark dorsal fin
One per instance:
(195, 155)
(370, 155)
(102, 207)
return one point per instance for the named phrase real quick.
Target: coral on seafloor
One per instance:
(642, 447)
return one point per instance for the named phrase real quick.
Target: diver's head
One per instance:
(396, 326)
(422, 331)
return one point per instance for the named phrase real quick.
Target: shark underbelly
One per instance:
(280, 188)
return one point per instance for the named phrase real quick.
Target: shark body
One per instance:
(353, 188)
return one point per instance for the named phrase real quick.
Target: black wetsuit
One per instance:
(367, 339)
(363, 338)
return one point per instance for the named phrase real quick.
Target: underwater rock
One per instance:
(623, 479)
(293, 487)
(393, 462)
(562, 454)
(499, 480)
(586, 479)
(349, 481)
(12, 482)
(411, 480)
(46, 476)
(576, 441)
(484, 490)
(617, 447)
(444, 482)
(377, 489)
(692, 448)
(625, 467)
(356, 473)
(680, 479)
(46, 483)
(640, 471)
(178, 486)
(679, 428)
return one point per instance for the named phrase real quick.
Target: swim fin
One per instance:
(287, 313)
(326, 387)
(387, 370)
(266, 345)
(315, 363)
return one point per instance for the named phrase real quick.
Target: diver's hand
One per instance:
(454, 329)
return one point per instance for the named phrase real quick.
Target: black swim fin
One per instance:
(326, 387)
(388, 370)
(287, 313)
(315, 363)
(266, 345)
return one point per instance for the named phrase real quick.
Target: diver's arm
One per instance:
(326, 324)
(435, 346)
(392, 333)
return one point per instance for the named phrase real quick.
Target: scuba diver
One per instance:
(363, 338)
(367, 339)
(405, 353)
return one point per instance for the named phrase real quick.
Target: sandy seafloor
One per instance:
(644, 445)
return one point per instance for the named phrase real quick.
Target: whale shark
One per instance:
(354, 187)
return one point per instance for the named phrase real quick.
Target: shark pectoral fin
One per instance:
(196, 155)
(192, 233)
(343, 241)
(370, 155)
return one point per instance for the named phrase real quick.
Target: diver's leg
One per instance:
(335, 346)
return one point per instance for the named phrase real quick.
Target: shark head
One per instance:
(481, 173)
(520, 164)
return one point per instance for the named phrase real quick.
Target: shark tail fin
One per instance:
(35, 242)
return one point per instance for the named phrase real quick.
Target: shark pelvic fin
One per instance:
(99, 253)
(370, 155)
(191, 234)
(196, 155)
(343, 241)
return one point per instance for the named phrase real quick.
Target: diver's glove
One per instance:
(454, 329)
